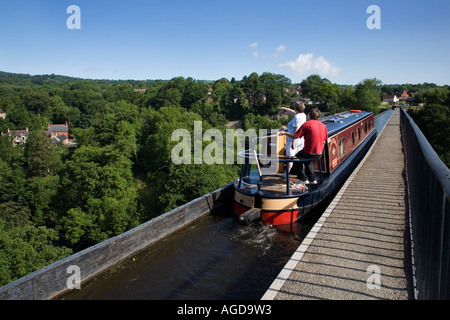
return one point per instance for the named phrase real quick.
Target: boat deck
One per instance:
(357, 249)
(276, 185)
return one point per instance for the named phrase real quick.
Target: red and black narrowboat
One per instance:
(266, 195)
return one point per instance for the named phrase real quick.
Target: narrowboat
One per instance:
(264, 194)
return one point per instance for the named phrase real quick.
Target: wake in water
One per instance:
(258, 236)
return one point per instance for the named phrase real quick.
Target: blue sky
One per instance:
(208, 40)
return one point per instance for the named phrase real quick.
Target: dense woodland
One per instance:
(56, 200)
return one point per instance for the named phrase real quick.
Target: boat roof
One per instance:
(338, 122)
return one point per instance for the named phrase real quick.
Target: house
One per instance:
(2, 114)
(404, 96)
(58, 132)
(18, 137)
(140, 90)
(390, 98)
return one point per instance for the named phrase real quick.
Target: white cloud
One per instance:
(279, 49)
(258, 54)
(307, 63)
(253, 45)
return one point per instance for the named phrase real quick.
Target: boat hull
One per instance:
(272, 216)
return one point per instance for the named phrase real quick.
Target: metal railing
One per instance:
(428, 180)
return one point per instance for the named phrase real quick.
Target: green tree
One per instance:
(16, 215)
(125, 139)
(36, 101)
(105, 123)
(309, 87)
(25, 249)
(76, 225)
(433, 121)
(259, 122)
(221, 92)
(183, 183)
(253, 90)
(329, 94)
(40, 153)
(59, 112)
(13, 182)
(237, 105)
(367, 95)
(19, 117)
(192, 92)
(347, 99)
(41, 194)
(433, 96)
(99, 188)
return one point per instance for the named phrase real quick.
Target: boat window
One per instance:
(359, 134)
(342, 147)
(365, 127)
(353, 138)
(369, 125)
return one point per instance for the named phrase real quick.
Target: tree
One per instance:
(36, 101)
(76, 225)
(347, 99)
(16, 215)
(259, 122)
(237, 105)
(167, 97)
(19, 117)
(125, 139)
(329, 94)
(433, 96)
(253, 91)
(221, 92)
(184, 183)
(40, 153)
(25, 249)
(276, 87)
(99, 195)
(106, 122)
(192, 92)
(309, 87)
(13, 180)
(180, 92)
(59, 112)
(367, 95)
(41, 194)
(433, 120)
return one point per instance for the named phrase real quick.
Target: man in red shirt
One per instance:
(315, 134)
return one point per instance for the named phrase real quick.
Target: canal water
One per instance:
(215, 258)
